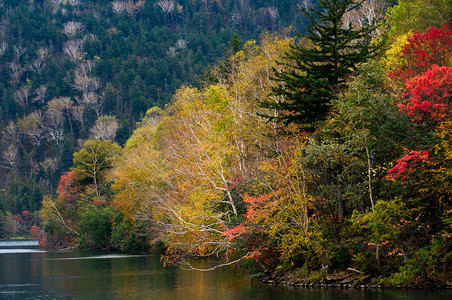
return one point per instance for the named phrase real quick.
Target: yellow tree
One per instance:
(184, 168)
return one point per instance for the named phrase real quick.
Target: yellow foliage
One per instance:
(182, 164)
(393, 59)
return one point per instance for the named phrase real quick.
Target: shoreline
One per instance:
(344, 281)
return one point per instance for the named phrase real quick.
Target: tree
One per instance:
(93, 160)
(31, 125)
(105, 128)
(318, 67)
(410, 15)
(420, 51)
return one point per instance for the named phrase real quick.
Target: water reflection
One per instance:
(89, 275)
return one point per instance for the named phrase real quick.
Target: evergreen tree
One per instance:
(316, 74)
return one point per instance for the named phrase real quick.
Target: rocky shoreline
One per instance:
(340, 280)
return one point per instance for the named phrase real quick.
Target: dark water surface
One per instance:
(29, 273)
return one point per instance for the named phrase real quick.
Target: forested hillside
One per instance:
(297, 157)
(79, 69)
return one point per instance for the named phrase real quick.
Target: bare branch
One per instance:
(40, 93)
(18, 52)
(105, 128)
(72, 28)
(17, 71)
(21, 95)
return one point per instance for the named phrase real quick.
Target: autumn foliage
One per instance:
(429, 95)
(422, 50)
(68, 189)
(208, 176)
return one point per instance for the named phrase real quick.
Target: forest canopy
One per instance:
(214, 173)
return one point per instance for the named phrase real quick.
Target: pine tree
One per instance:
(315, 75)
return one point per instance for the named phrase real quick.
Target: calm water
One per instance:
(29, 273)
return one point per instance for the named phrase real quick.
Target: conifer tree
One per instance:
(315, 75)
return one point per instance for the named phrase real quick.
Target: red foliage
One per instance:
(67, 189)
(43, 241)
(234, 232)
(407, 165)
(433, 47)
(36, 231)
(258, 207)
(429, 95)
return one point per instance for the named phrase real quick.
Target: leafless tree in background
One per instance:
(21, 95)
(73, 49)
(71, 28)
(18, 52)
(17, 71)
(77, 113)
(3, 47)
(54, 118)
(40, 94)
(37, 66)
(273, 14)
(118, 6)
(10, 156)
(369, 12)
(31, 126)
(105, 128)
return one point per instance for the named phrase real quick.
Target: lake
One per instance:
(26, 272)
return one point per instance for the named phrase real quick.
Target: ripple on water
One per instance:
(107, 256)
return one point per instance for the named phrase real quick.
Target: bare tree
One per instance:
(37, 66)
(77, 113)
(181, 44)
(57, 3)
(88, 87)
(18, 52)
(118, 6)
(305, 4)
(10, 133)
(133, 7)
(273, 14)
(369, 12)
(3, 47)
(73, 49)
(54, 118)
(31, 126)
(172, 51)
(49, 163)
(71, 28)
(236, 19)
(84, 83)
(40, 93)
(105, 128)
(21, 95)
(166, 5)
(91, 100)
(17, 71)
(10, 157)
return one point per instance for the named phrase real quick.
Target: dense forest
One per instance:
(312, 153)
(75, 70)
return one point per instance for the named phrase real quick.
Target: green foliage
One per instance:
(133, 60)
(318, 67)
(416, 15)
(93, 160)
(129, 236)
(95, 225)
(368, 189)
